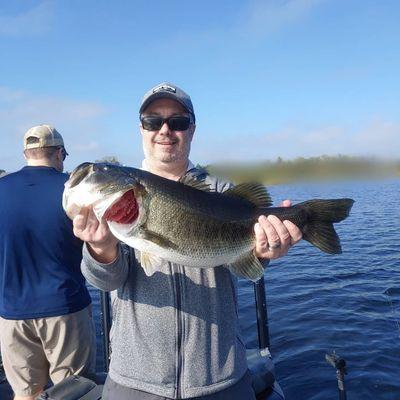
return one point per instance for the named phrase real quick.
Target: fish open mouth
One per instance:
(125, 210)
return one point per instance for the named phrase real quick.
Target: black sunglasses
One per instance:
(63, 152)
(175, 123)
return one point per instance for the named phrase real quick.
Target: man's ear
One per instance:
(59, 154)
(140, 128)
(192, 129)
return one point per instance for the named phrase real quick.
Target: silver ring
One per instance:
(275, 245)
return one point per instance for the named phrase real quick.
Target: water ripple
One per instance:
(348, 303)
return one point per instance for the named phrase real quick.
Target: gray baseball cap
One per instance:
(42, 136)
(167, 91)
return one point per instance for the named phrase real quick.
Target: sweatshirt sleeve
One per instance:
(106, 277)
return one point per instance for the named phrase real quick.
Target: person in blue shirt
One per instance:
(46, 326)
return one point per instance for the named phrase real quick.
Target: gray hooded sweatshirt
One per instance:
(176, 333)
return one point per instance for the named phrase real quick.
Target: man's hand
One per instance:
(102, 244)
(274, 237)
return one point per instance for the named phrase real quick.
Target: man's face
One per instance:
(166, 145)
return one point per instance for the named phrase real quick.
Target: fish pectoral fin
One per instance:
(157, 239)
(248, 266)
(150, 263)
(255, 193)
(191, 181)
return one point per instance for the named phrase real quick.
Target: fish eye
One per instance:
(100, 167)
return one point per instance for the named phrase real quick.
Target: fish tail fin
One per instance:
(322, 214)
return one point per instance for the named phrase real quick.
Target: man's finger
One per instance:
(261, 238)
(271, 231)
(93, 223)
(286, 203)
(281, 230)
(92, 219)
(80, 220)
(294, 231)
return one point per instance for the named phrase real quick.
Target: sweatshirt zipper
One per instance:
(178, 285)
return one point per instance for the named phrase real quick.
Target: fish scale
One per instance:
(197, 227)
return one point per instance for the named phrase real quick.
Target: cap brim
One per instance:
(162, 95)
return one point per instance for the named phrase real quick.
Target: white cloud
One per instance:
(267, 16)
(379, 137)
(84, 147)
(34, 21)
(8, 96)
(20, 110)
(258, 19)
(374, 137)
(80, 122)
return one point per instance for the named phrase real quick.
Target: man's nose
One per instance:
(165, 128)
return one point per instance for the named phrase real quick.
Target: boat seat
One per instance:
(73, 388)
(77, 387)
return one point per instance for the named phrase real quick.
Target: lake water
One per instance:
(349, 303)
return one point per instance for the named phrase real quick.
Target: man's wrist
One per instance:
(105, 254)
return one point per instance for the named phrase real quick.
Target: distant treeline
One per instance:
(281, 171)
(315, 168)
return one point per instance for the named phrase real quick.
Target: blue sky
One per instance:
(267, 78)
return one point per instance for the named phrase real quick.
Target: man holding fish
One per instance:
(175, 331)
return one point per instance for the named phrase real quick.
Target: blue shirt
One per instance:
(39, 255)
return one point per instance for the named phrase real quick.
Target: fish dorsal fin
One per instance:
(191, 181)
(255, 193)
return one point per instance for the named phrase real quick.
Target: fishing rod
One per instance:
(340, 365)
(106, 326)
(262, 314)
(260, 360)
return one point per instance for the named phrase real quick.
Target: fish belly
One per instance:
(198, 258)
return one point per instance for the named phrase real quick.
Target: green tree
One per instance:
(109, 159)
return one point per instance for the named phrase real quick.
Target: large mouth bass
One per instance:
(186, 223)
